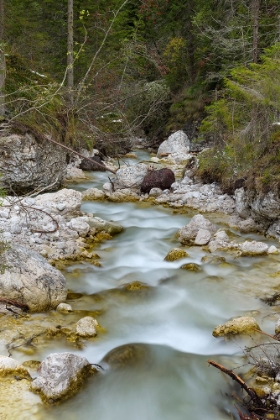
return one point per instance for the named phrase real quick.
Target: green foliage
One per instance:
(147, 107)
(241, 124)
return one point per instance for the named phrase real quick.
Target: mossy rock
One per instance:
(209, 259)
(191, 267)
(176, 254)
(102, 236)
(242, 325)
(128, 355)
(275, 275)
(135, 286)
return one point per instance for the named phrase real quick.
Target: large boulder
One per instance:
(161, 178)
(176, 143)
(60, 376)
(130, 176)
(31, 281)
(27, 164)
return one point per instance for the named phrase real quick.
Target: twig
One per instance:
(252, 394)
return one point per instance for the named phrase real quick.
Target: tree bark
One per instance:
(2, 20)
(255, 12)
(2, 62)
(70, 55)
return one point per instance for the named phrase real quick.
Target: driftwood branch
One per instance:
(252, 394)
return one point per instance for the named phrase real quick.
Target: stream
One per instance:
(157, 335)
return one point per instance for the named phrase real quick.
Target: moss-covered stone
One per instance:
(176, 254)
(243, 325)
(135, 286)
(191, 267)
(127, 356)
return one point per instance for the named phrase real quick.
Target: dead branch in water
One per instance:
(252, 394)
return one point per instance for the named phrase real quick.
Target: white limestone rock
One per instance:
(30, 280)
(86, 327)
(60, 376)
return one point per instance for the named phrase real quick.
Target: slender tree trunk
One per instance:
(70, 55)
(2, 20)
(2, 62)
(255, 12)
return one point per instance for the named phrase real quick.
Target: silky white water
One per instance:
(169, 324)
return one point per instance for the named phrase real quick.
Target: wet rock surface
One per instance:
(31, 281)
(60, 376)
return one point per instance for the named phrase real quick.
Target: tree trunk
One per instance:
(2, 62)
(255, 12)
(70, 55)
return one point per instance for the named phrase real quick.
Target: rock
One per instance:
(102, 225)
(93, 194)
(94, 164)
(203, 237)
(220, 242)
(242, 203)
(267, 206)
(60, 376)
(16, 399)
(161, 178)
(80, 226)
(155, 192)
(191, 267)
(274, 230)
(86, 327)
(64, 308)
(176, 254)
(243, 325)
(272, 250)
(249, 225)
(10, 366)
(277, 327)
(176, 143)
(107, 188)
(130, 176)
(70, 198)
(27, 165)
(253, 248)
(31, 281)
(73, 173)
(189, 232)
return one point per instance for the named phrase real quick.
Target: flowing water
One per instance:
(157, 335)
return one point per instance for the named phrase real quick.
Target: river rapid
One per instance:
(157, 335)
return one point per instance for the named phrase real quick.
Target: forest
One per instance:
(97, 73)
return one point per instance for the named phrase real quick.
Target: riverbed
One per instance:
(157, 319)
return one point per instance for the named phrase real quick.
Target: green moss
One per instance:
(176, 254)
(191, 267)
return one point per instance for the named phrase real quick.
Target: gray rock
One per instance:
(64, 308)
(130, 176)
(30, 280)
(252, 248)
(203, 237)
(60, 375)
(80, 226)
(188, 233)
(176, 143)
(26, 164)
(86, 327)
